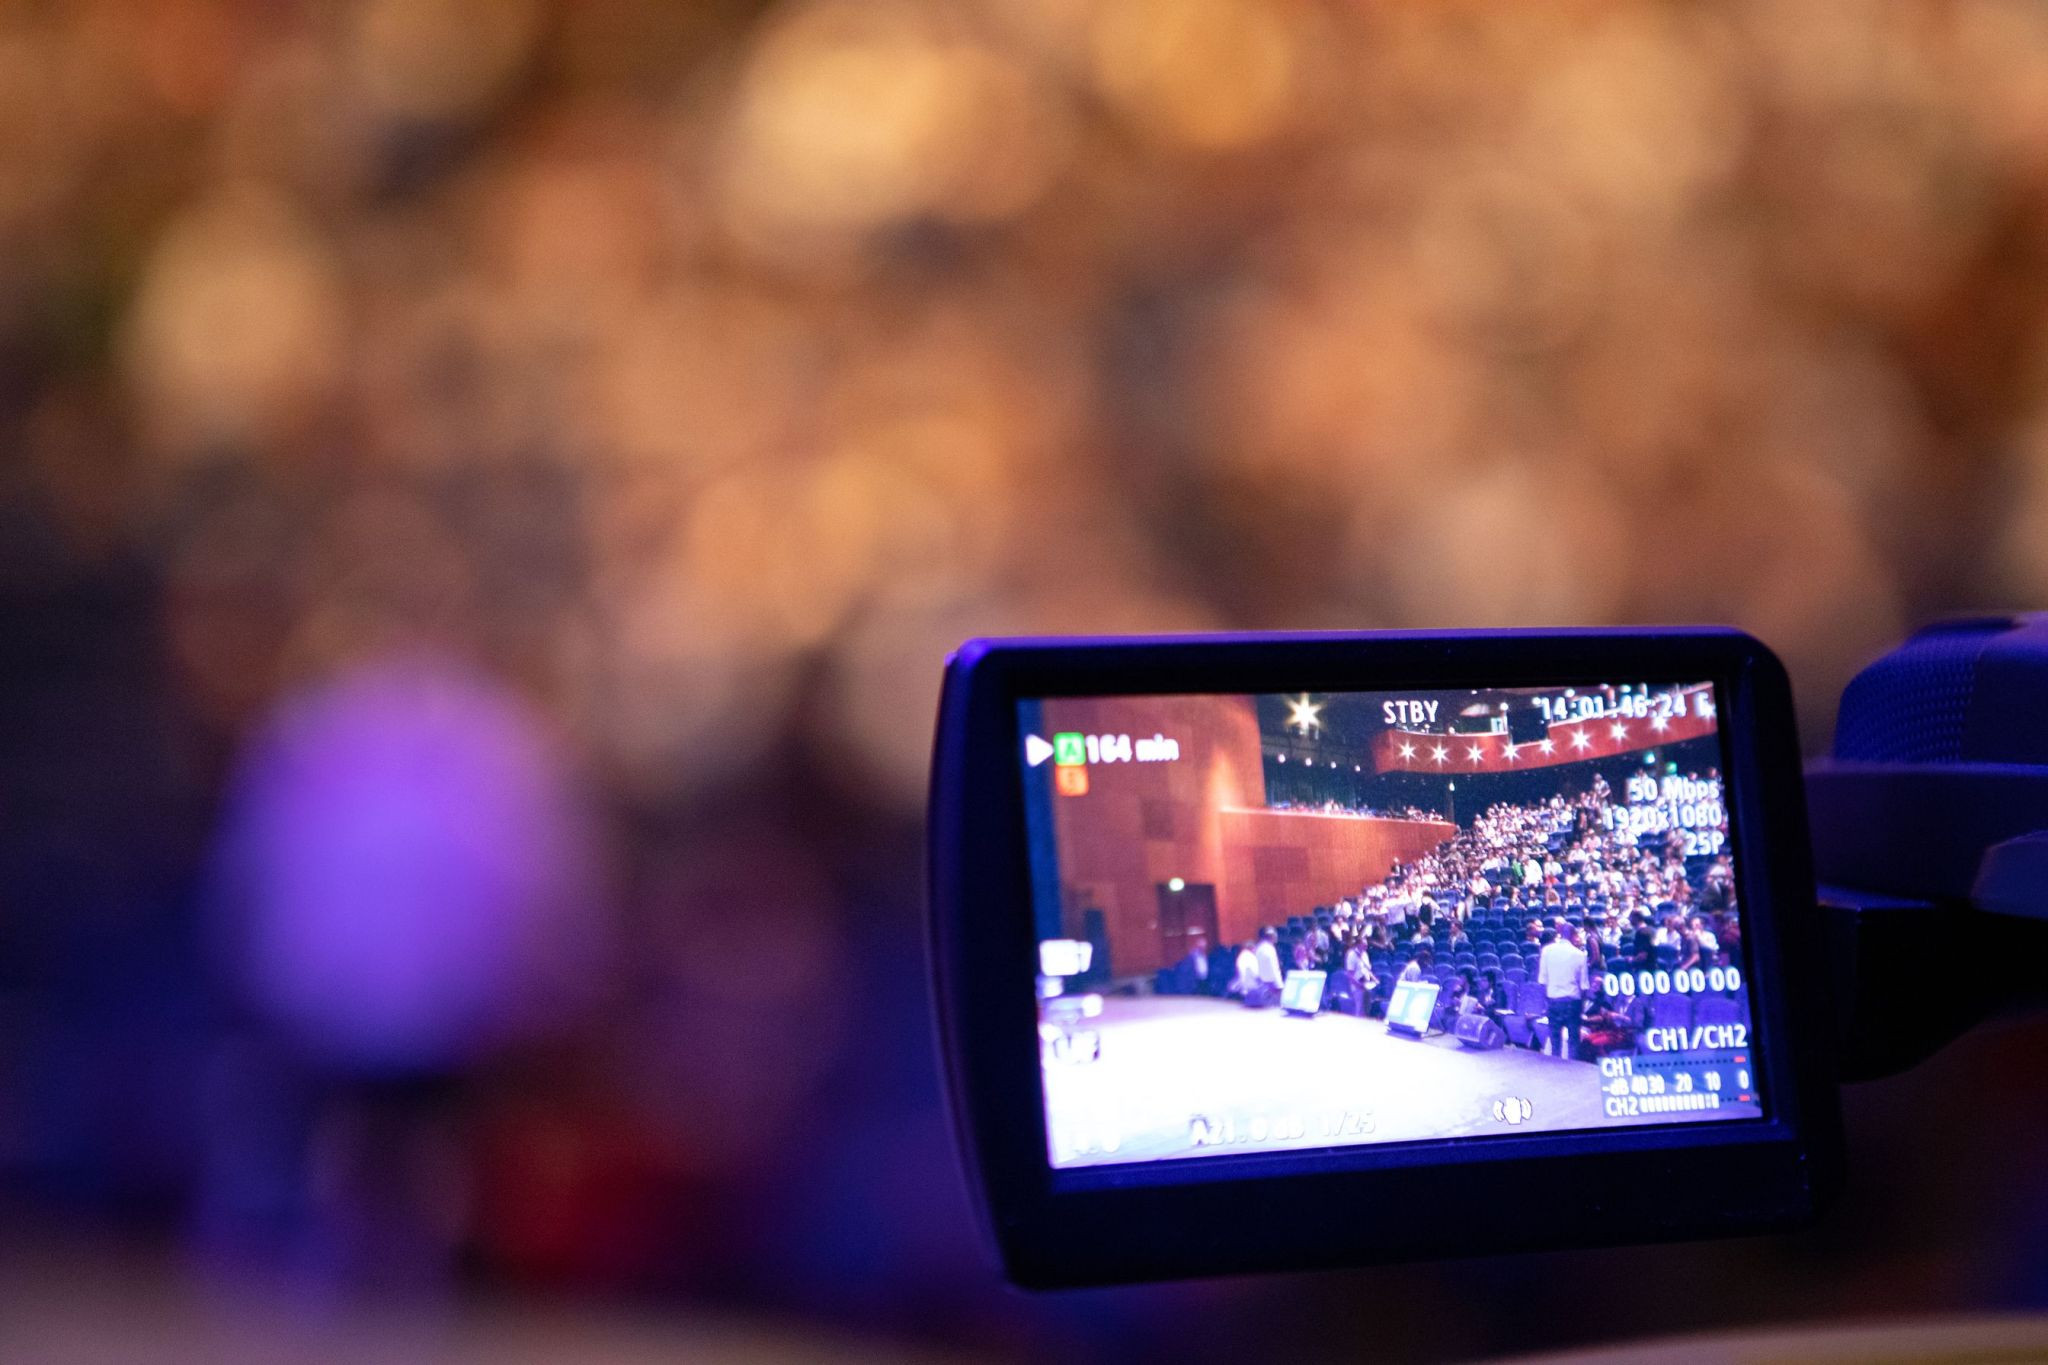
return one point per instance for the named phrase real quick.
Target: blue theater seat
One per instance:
(1671, 1010)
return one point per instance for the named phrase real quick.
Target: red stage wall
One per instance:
(1201, 818)
(1281, 863)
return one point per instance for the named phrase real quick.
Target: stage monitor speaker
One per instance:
(1303, 993)
(1478, 1031)
(1411, 1006)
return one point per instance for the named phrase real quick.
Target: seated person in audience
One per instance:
(1247, 980)
(1643, 949)
(1270, 978)
(1222, 970)
(1728, 933)
(1604, 1026)
(1191, 974)
(1611, 933)
(1492, 998)
(1467, 991)
(1710, 946)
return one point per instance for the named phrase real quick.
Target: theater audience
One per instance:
(1591, 897)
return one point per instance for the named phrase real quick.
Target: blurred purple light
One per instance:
(407, 868)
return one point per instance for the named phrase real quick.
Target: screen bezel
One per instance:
(1148, 1220)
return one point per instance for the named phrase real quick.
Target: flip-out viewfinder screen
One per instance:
(1320, 919)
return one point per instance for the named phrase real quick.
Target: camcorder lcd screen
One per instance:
(1313, 920)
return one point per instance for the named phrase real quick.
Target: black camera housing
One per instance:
(1352, 1205)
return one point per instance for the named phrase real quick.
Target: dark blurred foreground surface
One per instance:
(488, 487)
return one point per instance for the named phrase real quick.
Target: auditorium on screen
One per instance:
(1553, 869)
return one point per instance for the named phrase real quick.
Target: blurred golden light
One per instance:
(238, 328)
(1520, 541)
(1637, 115)
(1484, 301)
(441, 59)
(852, 115)
(1206, 74)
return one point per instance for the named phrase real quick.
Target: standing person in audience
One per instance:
(1397, 914)
(1359, 963)
(1687, 953)
(1562, 972)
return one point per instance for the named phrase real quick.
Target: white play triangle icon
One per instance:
(1036, 750)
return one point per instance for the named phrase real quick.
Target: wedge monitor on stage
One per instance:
(1209, 913)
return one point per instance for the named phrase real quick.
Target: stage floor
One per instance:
(1174, 1069)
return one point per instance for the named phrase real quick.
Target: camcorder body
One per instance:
(1260, 952)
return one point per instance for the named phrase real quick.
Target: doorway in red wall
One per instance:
(1185, 910)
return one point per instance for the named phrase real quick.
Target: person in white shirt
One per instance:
(1247, 973)
(1359, 965)
(1561, 971)
(1708, 943)
(1269, 975)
